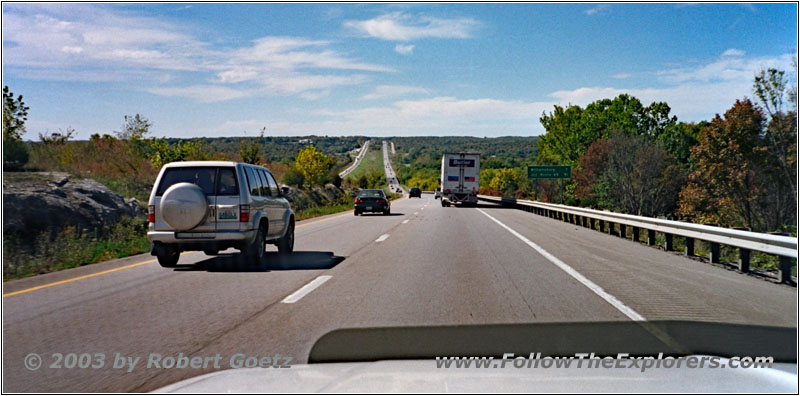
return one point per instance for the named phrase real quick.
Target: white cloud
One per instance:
(202, 93)
(42, 41)
(600, 9)
(385, 91)
(403, 49)
(404, 27)
(733, 52)
(725, 68)
(621, 76)
(694, 94)
(432, 117)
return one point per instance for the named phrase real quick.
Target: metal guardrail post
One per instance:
(651, 237)
(744, 254)
(623, 231)
(784, 265)
(713, 254)
(689, 247)
(635, 232)
(785, 270)
(744, 260)
(602, 225)
(668, 242)
(611, 229)
(591, 223)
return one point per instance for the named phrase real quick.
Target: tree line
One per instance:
(737, 170)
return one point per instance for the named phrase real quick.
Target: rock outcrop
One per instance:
(36, 202)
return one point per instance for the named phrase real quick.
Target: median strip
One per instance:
(308, 288)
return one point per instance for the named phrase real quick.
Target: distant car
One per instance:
(415, 192)
(437, 194)
(371, 201)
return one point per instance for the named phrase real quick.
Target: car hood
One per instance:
(423, 376)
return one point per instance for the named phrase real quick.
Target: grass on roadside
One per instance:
(72, 248)
(322, 211)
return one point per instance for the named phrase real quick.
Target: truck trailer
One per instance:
(460, 179)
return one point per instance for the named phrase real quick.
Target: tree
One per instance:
(506, 181)
(725, 186)
(57, 138)
(15, 113)
(591, 166)
(250, 152)
(293, 177)
(641, 177)
(135, 128)
(314, 165)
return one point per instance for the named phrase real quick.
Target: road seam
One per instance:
(308, 288)
(616, 303)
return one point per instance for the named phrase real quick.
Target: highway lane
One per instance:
(432, 266)
(357, 160)
(391, 177)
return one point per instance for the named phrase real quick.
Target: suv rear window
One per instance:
(204, 177)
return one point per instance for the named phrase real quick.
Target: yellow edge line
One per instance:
(79, 278)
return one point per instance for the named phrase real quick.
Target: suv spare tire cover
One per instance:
(183, 206)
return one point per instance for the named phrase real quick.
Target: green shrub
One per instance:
(15, 154)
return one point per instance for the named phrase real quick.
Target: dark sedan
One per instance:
(371, 201)
(415, 192)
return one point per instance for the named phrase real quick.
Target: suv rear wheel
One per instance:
(256, 251)
(286, 242)
(169, 258)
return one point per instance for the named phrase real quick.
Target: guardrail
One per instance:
(783, 246)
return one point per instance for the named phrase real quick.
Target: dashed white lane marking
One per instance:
(405, 221)
(382, 238)
(416, 213)
(628, 311)
(308, 288)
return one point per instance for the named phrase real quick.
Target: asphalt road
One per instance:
(356, 162)
(423, 265)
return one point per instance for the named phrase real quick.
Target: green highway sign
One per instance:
(549, 172)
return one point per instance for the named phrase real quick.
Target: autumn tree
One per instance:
(591, 167)
(725, 186)
(314, 165)
(641, 178)
(507, 181)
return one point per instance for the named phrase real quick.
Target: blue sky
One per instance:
(378, 69)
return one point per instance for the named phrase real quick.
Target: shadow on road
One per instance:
(234, 262)
(381, 214)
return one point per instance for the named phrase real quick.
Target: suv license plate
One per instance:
(369, 207)
(227, 214)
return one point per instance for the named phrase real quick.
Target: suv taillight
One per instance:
(358, 200)
(151, 213)
(244, 213)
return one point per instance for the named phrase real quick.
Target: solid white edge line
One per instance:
(382, 238)
(628, 311)
(308, 288)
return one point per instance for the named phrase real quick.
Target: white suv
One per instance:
(216, 205)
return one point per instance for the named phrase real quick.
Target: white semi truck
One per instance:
(460, 179)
